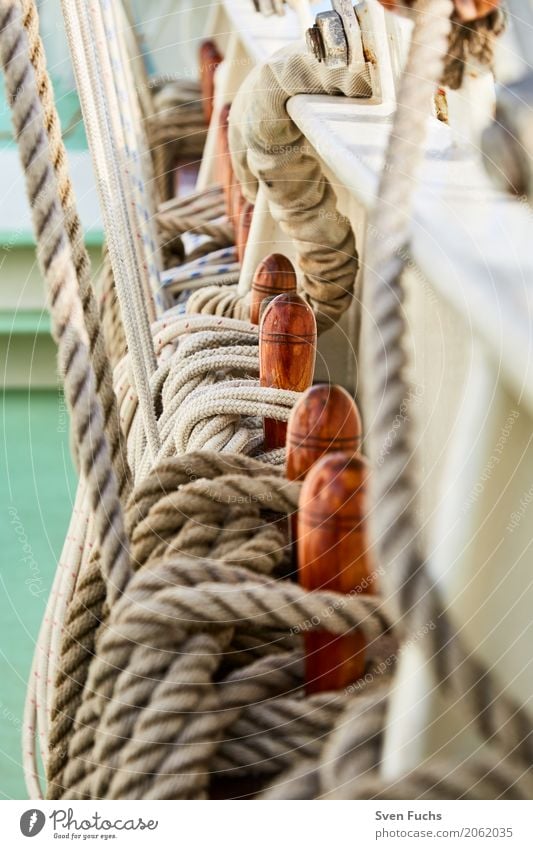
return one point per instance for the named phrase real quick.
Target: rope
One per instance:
(228, 613)
(78, 648)
(173, 117)
(172, 223)
(58, 155)
(109, 311)
(47, 648)
(219, 300)
(197, 661)
(37, 707)
(267, 147)
(209, 395)
(122, 94)
(56, 261)
(203, 348)
(101, 128)
(471, 42)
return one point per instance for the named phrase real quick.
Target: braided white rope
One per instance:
(136, 147)
(102, 128)
(207, 383)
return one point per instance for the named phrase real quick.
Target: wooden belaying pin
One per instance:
(244, 222)
(237, 201)
(226, 169)
(210, 59)
(333, 554)
(325, 419)
(273, 276)
(287, 352)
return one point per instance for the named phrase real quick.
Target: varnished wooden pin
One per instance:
(226, 169)
(243, 228)
(273, 276)
(325, 419)
(237, 203)
(287, 352)
(210, 59)
(333, 554)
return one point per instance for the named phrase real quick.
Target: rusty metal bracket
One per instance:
(364, 19)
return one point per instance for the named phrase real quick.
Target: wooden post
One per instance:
(223, 155)
(325, 419)
(273, 276)
(333, 554)
(210, 59)
(287, 352)
(235, 200)
(243, 229)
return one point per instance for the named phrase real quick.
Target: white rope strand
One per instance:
(98, 122)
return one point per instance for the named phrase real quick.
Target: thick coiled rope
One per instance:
(228, 613)
(395, 522)
(109, 311)
(194, 353)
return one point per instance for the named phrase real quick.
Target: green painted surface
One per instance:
(93, 238)
(27, 321)
(37, 487)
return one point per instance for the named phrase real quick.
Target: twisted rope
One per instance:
(221, 300)
(267, 147)
(471, 42)
(208, 347)
(73, 227)
(153, 724)
(207, 390)
(109, 311)
(57, 264)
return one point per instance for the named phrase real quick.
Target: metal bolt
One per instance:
(327, 40)
(315, 43)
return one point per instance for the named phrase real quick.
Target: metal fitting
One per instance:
(327, 40)
(335, 39)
